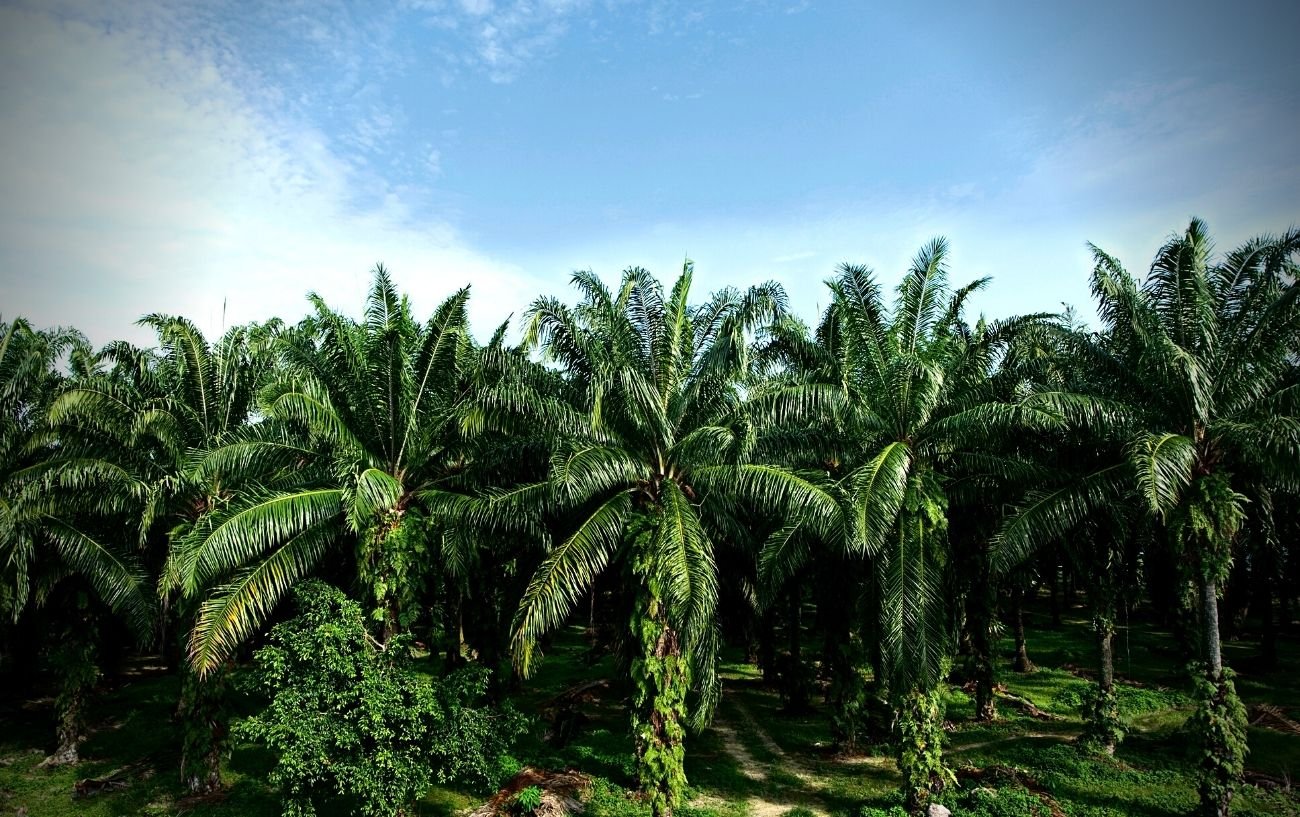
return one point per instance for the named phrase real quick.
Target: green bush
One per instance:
(1002, 802)
(892, 811)
(349, 717)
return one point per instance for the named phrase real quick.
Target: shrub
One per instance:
(349, 717)
(1002, 802)
(892, 811)
(527, 800)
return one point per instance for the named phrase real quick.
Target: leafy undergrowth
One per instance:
(784, 767)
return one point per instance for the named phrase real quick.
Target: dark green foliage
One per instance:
(1219, 724)
(348, 717)
(1103, 726)
(205, 726)
(1003, 801)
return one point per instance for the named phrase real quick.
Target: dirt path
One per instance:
(753, 769)
(748, 766)
(789, 764)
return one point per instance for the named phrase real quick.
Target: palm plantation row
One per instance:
(695, 469)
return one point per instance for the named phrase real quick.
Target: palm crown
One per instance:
(362, 435)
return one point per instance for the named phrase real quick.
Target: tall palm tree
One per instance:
(656, 476)
(1193, 385)
(910, 402)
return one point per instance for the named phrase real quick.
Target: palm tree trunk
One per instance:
(454, 633)
(1022, 662)
(75, 661)
(767, 647)
(204, 724)
(920, 746)
(1103, 728)
(795, 685)
(662, 679)
(1268, 624)
(1210, 625)
(1055, 597)
(1106, 649)
(985, 675)
(1221, 717)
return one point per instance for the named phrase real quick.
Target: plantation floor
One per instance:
(753, 761)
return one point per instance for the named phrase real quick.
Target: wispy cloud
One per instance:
(499, 38)
(140, 176)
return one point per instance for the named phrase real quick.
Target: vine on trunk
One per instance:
(1220, 725)
(920, 747)
(661, 675)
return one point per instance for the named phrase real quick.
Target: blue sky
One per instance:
(221, 159)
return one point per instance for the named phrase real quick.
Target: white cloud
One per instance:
(138, 177)
(500, 39)
(476, 8)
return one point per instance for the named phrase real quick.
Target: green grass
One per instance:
(788, 763)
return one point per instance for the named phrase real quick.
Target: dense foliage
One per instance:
(348, 716)
(898, 482)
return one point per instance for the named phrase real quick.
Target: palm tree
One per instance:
(146, 423)
(366, 441)
(912, 407)
(1192, 383)
(56, 540)
(656, 475)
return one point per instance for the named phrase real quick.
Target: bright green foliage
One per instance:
(1193, 377)
(53, 524)
(903, 398)
(1219, 724)
(350, 717)
(1003, 801)
(920, 746)
(660, 432)
(526, 800)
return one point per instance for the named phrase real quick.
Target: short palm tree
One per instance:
(136, 432)
(57, 539)
(1192, 384)
(656, 475)
(365, 439)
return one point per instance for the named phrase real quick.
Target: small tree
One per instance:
(350, 717)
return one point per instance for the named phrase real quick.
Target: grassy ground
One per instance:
(753, 762)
